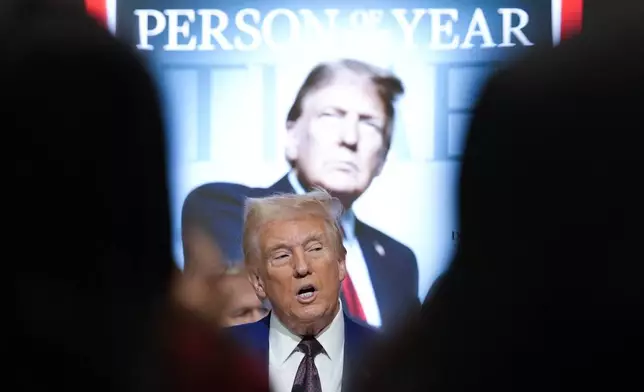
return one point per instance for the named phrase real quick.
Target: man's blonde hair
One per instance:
(281, 207)
(388, 88)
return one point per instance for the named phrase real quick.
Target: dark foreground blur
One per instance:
(90, 232)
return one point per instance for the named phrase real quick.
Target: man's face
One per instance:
(242, 304)
(300, 272)
(338, 141)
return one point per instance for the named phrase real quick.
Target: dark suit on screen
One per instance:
(218, 209)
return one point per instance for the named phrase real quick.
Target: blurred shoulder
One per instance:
(215, 189)
(225, 190)
(224, 193)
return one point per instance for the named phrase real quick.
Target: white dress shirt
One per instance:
(284, 359)
(356, 264)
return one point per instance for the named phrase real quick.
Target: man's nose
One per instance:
(301, 265)
(350, 135)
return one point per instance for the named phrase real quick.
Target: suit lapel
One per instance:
(263, 339)
(261, 344)
(254, 339)
(354, 345)
(282, 186)
(374, 254)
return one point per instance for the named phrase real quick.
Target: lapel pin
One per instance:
(379, 249)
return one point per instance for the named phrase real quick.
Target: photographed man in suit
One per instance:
(295, 258)
(339, 130)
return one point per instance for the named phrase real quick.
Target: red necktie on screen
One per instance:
(351, 299)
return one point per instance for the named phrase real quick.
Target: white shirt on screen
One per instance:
(284, 359)
(356, 264)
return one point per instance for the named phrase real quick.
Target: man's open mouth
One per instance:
(306, 292)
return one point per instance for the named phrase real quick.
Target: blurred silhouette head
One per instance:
(295, 257)
(544, 291)
(340, 126)
(551, 210)
(90, 186)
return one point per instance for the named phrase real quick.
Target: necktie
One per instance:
(307, 378)
(351, 299)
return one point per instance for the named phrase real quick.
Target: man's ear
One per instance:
(342, 265)
(257, 283)
(291, 141)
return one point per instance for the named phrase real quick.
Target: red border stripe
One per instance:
(98, 9)
(571, 18)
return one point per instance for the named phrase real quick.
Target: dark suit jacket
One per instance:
(218, 208)
(358, 340)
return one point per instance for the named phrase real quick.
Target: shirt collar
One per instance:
(347, 220)
(295, 183)
(282, 342)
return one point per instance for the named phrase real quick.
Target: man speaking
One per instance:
(295, 258)
(339, 130)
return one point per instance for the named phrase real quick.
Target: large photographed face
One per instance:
(301, 270)
(338, 141)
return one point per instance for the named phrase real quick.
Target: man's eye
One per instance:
(316, 248)
(243, 313)
(373, 125)
(281, 258)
